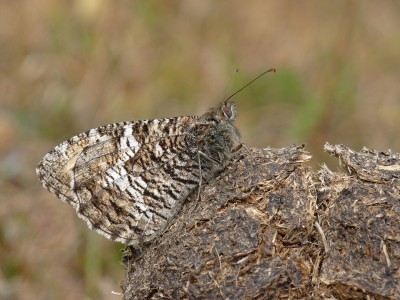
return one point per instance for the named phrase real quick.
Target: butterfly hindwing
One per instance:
(125, 179)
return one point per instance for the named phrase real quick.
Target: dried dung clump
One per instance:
(268, 227)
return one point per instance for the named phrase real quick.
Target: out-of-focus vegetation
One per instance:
(68, 66)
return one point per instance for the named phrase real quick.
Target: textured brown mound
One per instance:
(270, 228)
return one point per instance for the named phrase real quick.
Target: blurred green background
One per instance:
(68, 66)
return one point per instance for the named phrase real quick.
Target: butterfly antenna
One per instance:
(245, 86)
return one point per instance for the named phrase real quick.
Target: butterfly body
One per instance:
(128, 180)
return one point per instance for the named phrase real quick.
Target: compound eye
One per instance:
(229, 111)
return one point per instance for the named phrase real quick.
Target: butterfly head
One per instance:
(225, 112)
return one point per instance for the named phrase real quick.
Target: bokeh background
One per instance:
(68, 66)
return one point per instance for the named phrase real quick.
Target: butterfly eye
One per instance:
(229, 111)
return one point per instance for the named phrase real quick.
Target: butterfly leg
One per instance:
(199, 154)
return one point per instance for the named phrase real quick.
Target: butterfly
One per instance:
(128, 180)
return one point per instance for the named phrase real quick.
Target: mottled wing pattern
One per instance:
(126, 180)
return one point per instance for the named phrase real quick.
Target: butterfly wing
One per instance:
(126, 180)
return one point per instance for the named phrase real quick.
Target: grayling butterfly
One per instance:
(128, 180)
